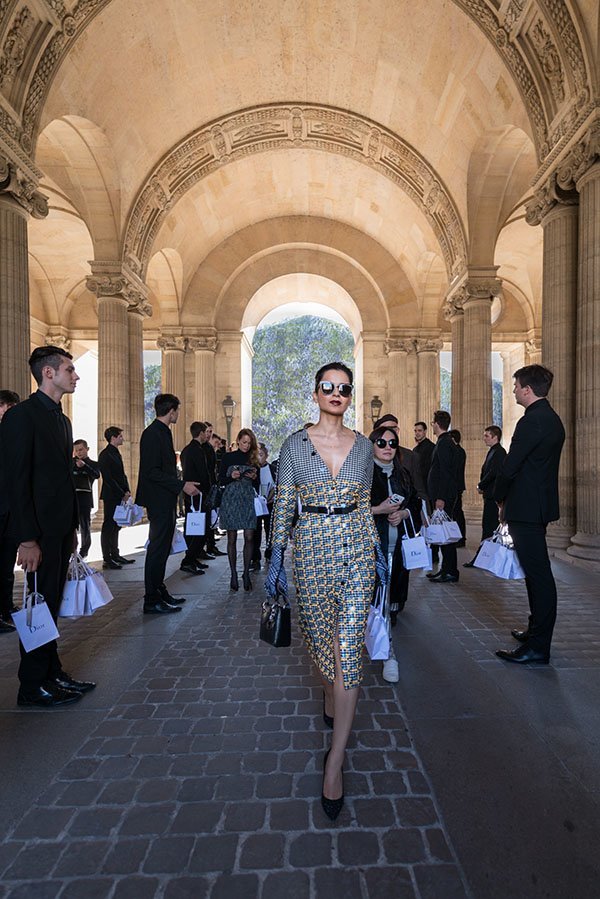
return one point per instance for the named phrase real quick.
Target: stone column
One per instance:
(533, 345)
(558, 213)
(204, 348)
(138, 310)
(453, 312)
(428, 377)
(173, 380)
(398, 351)
(18, 200)
(586, 541)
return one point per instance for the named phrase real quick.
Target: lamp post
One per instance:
(376, 406)
(229, 405)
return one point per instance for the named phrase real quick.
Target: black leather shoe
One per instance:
(216, 552)
(432, 574)
(47, 699)
(247, 582)
(114, 566)
(234, 584)
(521, 636)
(206, 557)
(201, 565)
(6, 627)
(66, 682)
(160, 607)
(523, 655)
(121, 560)
(190, 568)
(173, 600)
(446, 579)
(331, 807)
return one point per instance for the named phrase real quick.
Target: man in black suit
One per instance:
(527, 494)
(8, 544)
(158, 488)
(443, 487)
(195, 468)
(85, 472)
(210, 551)
(459, 515)
(423, 448)
(492, 464)
(36, 444)
(115, 490)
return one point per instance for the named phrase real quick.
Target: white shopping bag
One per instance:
(487, 555)
(260, 506)
(195, 521)
(72, 604)
(377, 639)
(128, 513)
(34, 623)
(415, 552)
(497, 555)
(453, 531)
(178, 544)
(97, 592)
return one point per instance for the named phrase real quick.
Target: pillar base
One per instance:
(585, 547)
(558, 536)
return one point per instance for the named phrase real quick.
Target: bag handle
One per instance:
(192, 498)
(412, 525)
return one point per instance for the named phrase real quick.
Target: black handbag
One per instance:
(276, 621)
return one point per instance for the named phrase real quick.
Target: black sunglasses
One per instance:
(381, 442)
(327, 388)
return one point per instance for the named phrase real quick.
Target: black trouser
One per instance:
(489, 519)
(529, 540)
(43, 664)
(262, 521)
(109, 535)
(448, 550)
(85, 501)
(459, 516)
(160, 537)
(8, 555)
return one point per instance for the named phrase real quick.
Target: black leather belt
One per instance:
(330, 510)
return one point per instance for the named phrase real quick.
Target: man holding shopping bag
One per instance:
(527, 494)
(36, 443)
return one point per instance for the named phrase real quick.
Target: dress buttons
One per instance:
(342, 583)
(345, 564)
(313, 453)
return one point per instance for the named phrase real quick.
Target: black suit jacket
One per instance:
(211, 458)
(489, 470)
(528, 480)
(412, 464)
(424, 452)
(158, 485)
(38, 462)
(462, 464)
(195, 466)
(114, 480)
(443, 480)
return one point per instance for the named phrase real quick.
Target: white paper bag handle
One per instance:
(412, 524)
(31, 599)
(192, 498)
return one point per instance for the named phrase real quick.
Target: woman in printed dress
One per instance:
(336, 554)
(238, 473)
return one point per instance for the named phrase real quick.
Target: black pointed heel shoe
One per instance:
(331, 807)
(234, 583)
(247, 582)
(327, 719)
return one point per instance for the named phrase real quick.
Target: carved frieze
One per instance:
(546, 198)
(400, 345)
(18, 185)
(549, 59)
(581, 158)
(429, 345)
(453, 305)
(207, 343)
(172, 343)
(112, 279)
(15, 46)
(281, 126)
(59, 339)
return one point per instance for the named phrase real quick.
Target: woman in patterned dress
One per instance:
(237, 474)
(330, 469)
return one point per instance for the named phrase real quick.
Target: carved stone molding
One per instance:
(533, 346)
(288, 126)
(546, 199)
(58, 338)
(581, 158)
(453, 305)
(207, 343)
(428, 345)
(16, 184)
(172, 343)
(400, 345)
(111, 279)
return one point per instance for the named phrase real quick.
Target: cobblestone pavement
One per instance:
(194, 770)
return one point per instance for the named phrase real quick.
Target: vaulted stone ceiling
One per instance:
(143, 76)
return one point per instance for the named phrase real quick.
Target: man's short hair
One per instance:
(215, 436)
(495, 431)
(208, 424)
(9, 398)
(46, 355)
(455, 435)
(263, 448)
(420, 424)
(197, 428)
(383, 418)
(442, 418)
(165, 403)
(111, 432)
(80, 442)
(537, 377)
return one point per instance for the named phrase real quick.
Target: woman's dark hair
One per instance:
(332, 366)
(379, 432)
(253, 451)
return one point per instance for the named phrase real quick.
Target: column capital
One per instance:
(15, 184)
(203, 342)
(59, 337)
(174, 343)
(428, 344)
(400, 345)
(582, 157)
(114, 279)
(453, 305)
(549, 196)
(473, 283)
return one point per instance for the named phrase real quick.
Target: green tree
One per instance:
(152, 374)
(286, 357)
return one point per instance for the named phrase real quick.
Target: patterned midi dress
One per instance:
(334, 555)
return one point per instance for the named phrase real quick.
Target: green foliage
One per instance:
(286, 358)
(151, 388)
(446, 397)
